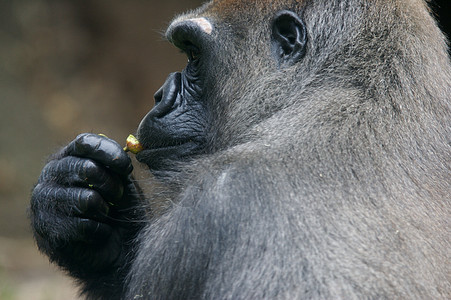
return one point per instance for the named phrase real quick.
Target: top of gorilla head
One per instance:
(357, 63)
(362, 47)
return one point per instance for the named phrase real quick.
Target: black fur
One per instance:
(326, 176)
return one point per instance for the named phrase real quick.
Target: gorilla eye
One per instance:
(191, 51)
(193, 54)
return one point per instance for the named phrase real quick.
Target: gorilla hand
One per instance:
(85, 208)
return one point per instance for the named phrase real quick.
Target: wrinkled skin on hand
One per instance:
(85, 208)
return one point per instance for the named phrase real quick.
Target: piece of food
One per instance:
(133, 145)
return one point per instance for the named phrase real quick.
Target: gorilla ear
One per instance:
(289, 37)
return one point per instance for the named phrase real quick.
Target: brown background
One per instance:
(68, 67)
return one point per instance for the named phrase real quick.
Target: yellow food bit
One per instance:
(133, 145)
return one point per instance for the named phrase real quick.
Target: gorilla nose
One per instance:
(166, 96)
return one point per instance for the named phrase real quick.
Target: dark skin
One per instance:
(302, 154)
(85, 208)
(165, 143)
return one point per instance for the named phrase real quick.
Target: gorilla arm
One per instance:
(216, 234)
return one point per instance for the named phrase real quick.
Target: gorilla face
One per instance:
(177, 127)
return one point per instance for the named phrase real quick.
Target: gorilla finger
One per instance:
(75, 171)
(89, 204)
(80, 202)
(103, 150)
(55, 227)
(90, 231)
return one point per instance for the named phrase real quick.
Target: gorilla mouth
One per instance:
(175, 128)
(164, 148)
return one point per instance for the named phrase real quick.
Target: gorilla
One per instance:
(303, 153)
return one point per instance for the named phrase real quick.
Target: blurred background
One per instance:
(68, 67)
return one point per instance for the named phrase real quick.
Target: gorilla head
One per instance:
(302, 153)
(191, 115)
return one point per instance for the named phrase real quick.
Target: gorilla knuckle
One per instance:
(91, 200)
(50, 171)
(85, 142)
(89, 168)
(37, 195)
(82, 137)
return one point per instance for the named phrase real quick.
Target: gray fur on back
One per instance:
(327, 179)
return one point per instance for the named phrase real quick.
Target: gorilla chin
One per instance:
(162, 157)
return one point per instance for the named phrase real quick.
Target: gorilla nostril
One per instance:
(158, 95)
